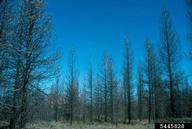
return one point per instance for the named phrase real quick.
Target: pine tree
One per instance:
(111, 83)
(150, 76)
(140, 90)
(72, 85)
(127, 80)
(90, 85)
(169, 55)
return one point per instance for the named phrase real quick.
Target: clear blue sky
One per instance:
(96, 26)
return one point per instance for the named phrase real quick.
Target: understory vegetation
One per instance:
(80, 125)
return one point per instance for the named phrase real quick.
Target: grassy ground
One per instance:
(59, 125)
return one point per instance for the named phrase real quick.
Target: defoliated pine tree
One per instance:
(72, 86)
(150, 76)
(140, 92)
(31, 61)
(169, 53)
(104, 83)
(111, 83)
(127, 81)
(90, 86)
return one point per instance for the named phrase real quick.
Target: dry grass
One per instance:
(59, 125)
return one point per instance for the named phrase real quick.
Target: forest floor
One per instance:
(60, 125)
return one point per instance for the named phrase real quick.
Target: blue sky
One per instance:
(93, 27)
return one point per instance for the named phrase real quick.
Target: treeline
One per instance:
(162, 88)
